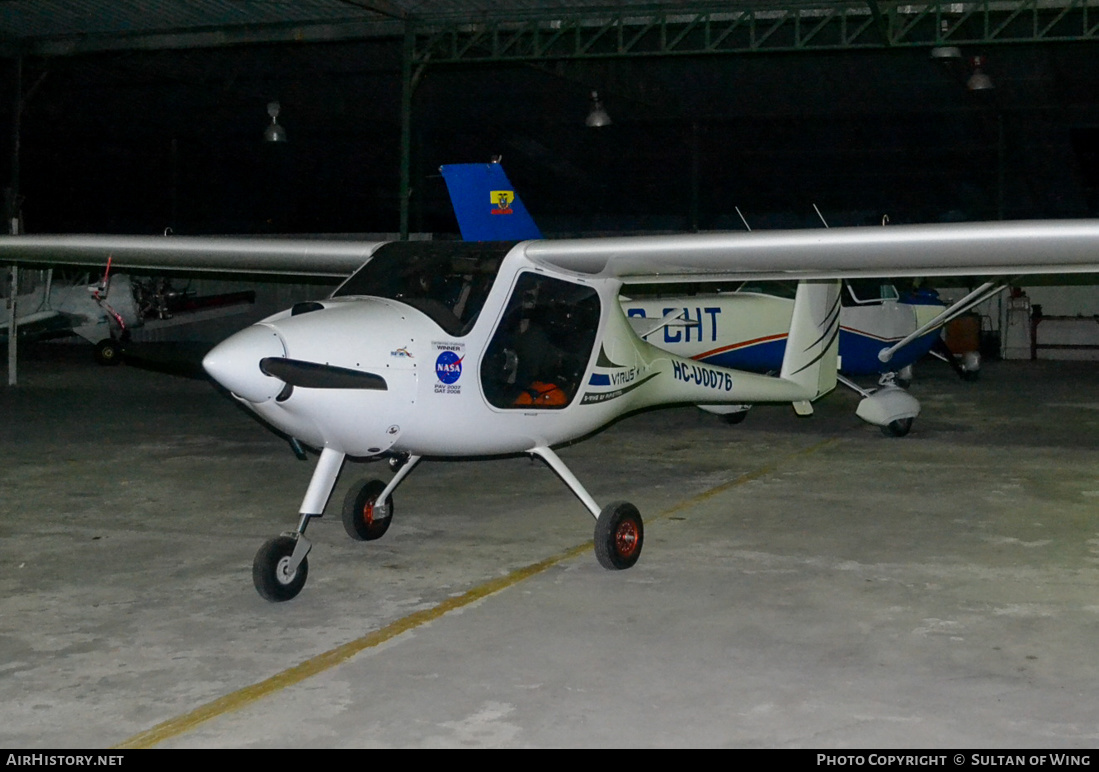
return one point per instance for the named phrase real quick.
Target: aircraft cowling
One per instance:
(350, 368)
(234, 363)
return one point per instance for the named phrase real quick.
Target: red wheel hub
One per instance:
(625, 538)
(368, 512)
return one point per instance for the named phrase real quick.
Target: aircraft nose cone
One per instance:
(234, 363)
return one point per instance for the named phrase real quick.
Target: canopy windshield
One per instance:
(448, 281)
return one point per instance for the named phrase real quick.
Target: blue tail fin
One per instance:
(486, 205)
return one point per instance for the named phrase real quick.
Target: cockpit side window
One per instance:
(448, 281)
(540, 351)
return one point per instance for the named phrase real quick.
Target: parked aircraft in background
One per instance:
(105, 312)
(467, 350)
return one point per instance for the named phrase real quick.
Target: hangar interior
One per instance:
(148, 118)
(947, 598)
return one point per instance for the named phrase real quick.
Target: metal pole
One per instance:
(694, 177)
(406, 125)
(1001, 152)
(13, 288)
(13, 221)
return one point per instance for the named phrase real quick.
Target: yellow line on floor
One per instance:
(243, 697)
(747, 477)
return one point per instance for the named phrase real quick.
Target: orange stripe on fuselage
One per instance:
(866, 334)
(743, 344)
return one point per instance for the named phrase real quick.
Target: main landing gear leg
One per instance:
(280, 567)
(619, 531)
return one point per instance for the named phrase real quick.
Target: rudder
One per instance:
(812, 349)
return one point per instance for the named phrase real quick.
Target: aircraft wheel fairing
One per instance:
(619, 535)
(361, 518)
(270, 573)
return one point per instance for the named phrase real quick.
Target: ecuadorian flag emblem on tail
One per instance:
(501, 201)
(471, 186)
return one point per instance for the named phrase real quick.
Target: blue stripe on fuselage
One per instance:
(858, 352)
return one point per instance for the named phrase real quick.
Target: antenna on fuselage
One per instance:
(741, 216)
(815, 209)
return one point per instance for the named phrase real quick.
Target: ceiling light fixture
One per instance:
(274, 132)
(598, 115)
(945, 53)
(979, 80)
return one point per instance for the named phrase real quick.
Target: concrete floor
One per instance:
(805, 583)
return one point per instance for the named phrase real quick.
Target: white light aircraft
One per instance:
(437, 349)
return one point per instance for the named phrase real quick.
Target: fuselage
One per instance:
(475, 350)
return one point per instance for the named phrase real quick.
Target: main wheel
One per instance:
(898, 428)
(358, 511)
(271, 570)
(619, 534)
(108, 352)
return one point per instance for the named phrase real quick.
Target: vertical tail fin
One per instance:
(812, 348)
(486, 204)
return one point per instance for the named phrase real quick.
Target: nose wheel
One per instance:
(276, 575)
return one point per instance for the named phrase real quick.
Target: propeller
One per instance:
(311, 375)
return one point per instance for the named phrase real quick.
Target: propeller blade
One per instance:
(310, 375)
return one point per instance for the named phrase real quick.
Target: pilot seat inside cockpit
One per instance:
(540, 350)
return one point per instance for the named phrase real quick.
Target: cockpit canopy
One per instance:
(448, 281)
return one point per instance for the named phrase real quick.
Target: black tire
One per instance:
(898, 428)
(619, 536)
(903, 377)
(358, 511)
(269, 570)
(108, 352)
(734, 418)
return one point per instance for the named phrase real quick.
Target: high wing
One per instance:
(1018, 247)
(238, 254)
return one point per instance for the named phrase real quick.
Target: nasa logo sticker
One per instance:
(448, 367)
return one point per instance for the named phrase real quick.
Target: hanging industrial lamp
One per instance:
(979, 80)
(274, 132)
(598, 115)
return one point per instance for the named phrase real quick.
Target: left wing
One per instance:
(290, 257)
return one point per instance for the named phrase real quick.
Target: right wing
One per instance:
(956, 249)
